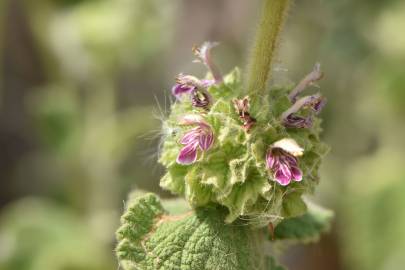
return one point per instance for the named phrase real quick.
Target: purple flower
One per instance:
(281, 159)
(179, 89)
(185, 84)
(297, 121)
(197, 89)
(291, 119)
(200, 137)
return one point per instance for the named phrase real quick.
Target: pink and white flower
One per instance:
(291, 119)
(195, 88)
(200, 138)
(282, 160)
(185, 84)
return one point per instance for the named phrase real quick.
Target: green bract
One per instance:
(233, 172)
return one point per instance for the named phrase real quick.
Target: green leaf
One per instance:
(149, 238)
(305, 228)
(293, 205)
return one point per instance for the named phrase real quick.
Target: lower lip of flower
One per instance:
(200, 137)
(180, 89)
(284, 166)
(188, 154)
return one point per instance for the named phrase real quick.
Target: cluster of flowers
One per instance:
(282, 155)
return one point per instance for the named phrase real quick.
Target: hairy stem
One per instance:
(271, 22)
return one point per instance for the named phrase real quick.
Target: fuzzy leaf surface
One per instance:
(149, 238)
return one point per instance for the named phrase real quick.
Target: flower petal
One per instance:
(296, 173)
(271, 160)
(191, 136)
(207, 83)
(205, 140)
(180, 89)
(192, 119)
(290, 146)
(188, 154)
(290, 160)
(296, 121)
(283, 177)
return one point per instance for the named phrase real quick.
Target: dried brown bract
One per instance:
(242, 108)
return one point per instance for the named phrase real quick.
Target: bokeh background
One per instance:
(84, 84)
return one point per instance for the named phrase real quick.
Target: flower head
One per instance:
(200, 137)
(282, 160)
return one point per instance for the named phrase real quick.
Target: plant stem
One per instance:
(271, 22)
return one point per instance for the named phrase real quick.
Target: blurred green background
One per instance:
(84, 84)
